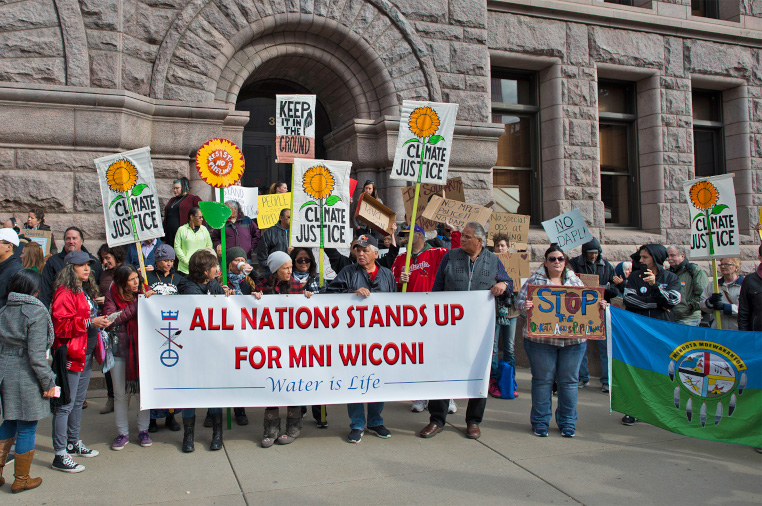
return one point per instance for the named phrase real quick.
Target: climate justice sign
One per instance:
(714, 218)
(294, 127)
(288, 350)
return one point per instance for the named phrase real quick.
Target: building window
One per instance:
(619, 181)
(515, 177)
(619, 2)
(705, 8)
(708, 134)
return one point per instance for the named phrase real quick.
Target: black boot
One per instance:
(216, 432)
(152, 427)
(189, 424)
(208, 419)
(169, 423)
(240, 416)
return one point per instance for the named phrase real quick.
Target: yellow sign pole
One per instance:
(412, 230)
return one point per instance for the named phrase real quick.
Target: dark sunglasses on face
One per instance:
(303, 260)
(556, 259)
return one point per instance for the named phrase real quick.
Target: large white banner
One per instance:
(714, 218)
(129, 197)
(320, 212)
(286, 350)
(294, 127)
(424, 142)
(247, 197)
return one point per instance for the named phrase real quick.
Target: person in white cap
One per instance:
(10, 264)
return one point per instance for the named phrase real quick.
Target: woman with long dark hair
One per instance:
(122, 299)
(551, 358)
(280, 280)
(36, 221)
(176, 210)
(305, 268)
(26, 379)
(76, 322)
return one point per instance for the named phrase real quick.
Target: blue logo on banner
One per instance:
(169, 357)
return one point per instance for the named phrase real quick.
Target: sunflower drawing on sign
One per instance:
(423, 123)
(319, 183)
(704, 196)
(122, 178)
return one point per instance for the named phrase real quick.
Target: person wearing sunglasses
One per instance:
(727, 298)
(551, 358)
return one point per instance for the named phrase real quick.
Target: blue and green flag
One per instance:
(695, 381)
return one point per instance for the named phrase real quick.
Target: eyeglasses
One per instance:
(303, 261)
(727, 265)
(556, 259)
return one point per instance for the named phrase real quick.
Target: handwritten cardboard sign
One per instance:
(41, 237)
(568, 230)
(589, 279)
(566, 312)
(517, 267)
(374, 214)
(458, 213)
(514, 226)
(269, 207)
(247, 197)
(294, 127)
(452, 190)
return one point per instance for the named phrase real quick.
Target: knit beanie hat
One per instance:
(235, 252)
(276, 260)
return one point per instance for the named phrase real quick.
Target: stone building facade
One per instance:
(84, 78)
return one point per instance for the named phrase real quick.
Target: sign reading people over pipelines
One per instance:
(714, 219)
(568, 230)
(208, 351)
(695, 381)
(320, 215)
(566, 311)
(425, 142)
(452, 190)
(269, 208)
(130, 200)
(294, 127)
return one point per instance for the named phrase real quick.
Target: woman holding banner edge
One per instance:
(553, 358)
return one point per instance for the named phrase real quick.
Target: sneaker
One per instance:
(583, 384)
(605, 388)
(321, 424)
(540, 432)
(66, 464)
(145, 440)
(628, 420)
(380, 431)
(355, 435)
(80, 449)
(493, 389)
(120, 442)
(452, 408)
(419, 406)
(567, 432)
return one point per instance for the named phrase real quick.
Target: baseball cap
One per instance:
(366, 240)
(164, 252)
(78, 258)
(9, 235)
(418, 229)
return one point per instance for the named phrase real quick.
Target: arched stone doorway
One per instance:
(258, 142)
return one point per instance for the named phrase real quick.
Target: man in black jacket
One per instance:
(73, 241)
(274, 238)
(750, 300)
(591, 262)
(9, 263)
(362, 278)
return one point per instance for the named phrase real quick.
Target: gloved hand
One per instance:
(715, 301)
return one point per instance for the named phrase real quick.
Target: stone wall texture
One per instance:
(84, 78)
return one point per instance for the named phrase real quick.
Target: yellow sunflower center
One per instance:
(318, 182)
(423, 122)
(121, 176)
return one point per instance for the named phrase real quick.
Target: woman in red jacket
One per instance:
(122, 302)
(75, 322)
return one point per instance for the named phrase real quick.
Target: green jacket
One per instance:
(693, 280)
(187, 242)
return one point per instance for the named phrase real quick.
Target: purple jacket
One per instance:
(244, 234)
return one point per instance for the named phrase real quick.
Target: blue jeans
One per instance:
(507, 333)
(24, 432)
(584, 374)
(191, 412)
(357, 414)
(547, 363)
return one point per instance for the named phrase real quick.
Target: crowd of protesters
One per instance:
(82, 308)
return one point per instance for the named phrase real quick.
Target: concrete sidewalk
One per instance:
(607, 463)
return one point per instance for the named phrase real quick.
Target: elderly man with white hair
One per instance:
(470, 267)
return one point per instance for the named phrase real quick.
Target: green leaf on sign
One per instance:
(410, 140)
(215, 213)
(333, 199)
(435, 138)
(310, 203)
(138, 189)
(114, 201)
(719, 209)
(697, 217)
